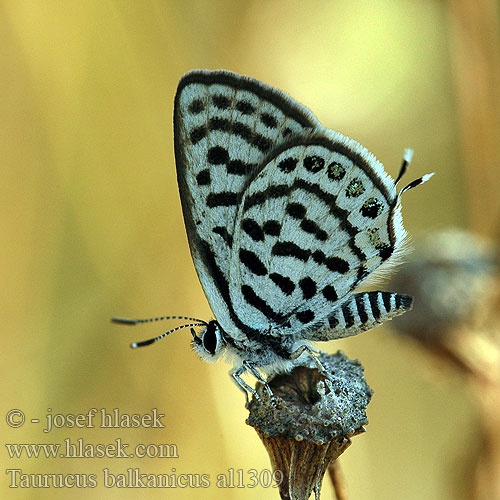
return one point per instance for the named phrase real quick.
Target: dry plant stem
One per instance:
(302, 463)
(337, 478)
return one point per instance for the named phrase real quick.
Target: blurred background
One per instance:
(93, 228)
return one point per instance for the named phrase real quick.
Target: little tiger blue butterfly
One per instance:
(284, 218)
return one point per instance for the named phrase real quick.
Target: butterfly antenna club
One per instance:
(416, 183)
(407, 157)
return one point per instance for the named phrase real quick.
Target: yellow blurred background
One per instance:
(92, 223)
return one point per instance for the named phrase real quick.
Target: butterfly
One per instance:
(285, 219)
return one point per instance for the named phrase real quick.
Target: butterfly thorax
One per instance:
(267, 351)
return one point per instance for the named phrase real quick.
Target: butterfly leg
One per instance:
(235, 374)
(250, 367)
(253, 370)
(313, 354)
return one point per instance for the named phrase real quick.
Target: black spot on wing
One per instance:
(196, 107)
(334, 264)
(245, 132)
(330, 294)
(355, 188)
(361, 274)
(308, 287)
(333, 321)
(262, 143)
(335, 171)
(290, 249)
(319, 256)
(203, 177)
(309, 226)
(252, 229)
(288, 164)
(258, 198)
(314, 163)
(260, 304)
(245, 108)
(252, 262)
(241, 130)
(197, 134)
(218, 123)
(239, 167)
(296, 210)
(286, 285)
(223, 199)
(272, 227)
(268, 120)
(386, 252)
(305, 316)
(217, 155)
(371, 208)
(221, 101)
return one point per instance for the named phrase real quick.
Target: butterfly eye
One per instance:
(210, 339)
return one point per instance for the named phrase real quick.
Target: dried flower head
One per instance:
(311, 420)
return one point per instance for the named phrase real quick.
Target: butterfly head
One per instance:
(210, 344)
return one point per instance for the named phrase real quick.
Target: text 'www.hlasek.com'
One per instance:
(130, 477)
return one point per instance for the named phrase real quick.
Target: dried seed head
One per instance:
(311, 420)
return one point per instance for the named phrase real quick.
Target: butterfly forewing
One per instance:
(314, 223)
(225, 126)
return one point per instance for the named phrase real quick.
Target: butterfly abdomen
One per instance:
(360, 312)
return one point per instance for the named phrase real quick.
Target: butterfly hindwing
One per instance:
(225, 126)
(314, 223)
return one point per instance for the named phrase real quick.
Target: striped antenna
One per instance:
(134, 345)
(407, 157)
(125, 321)
(416, 183)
